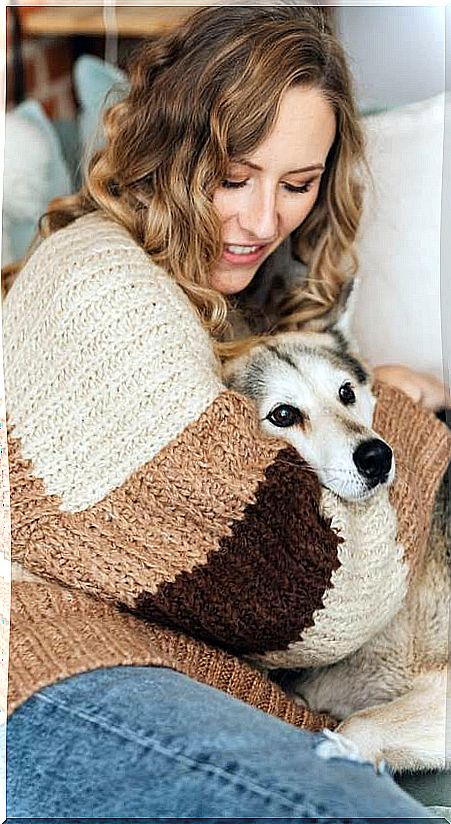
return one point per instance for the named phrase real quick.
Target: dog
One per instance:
(311, 389)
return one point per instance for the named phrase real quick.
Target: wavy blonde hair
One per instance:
(208, 91)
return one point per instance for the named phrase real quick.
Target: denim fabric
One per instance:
(144, 742)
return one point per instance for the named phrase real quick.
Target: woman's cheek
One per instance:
(228, 203)
(304, 210)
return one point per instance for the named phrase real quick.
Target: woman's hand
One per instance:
(423, 389)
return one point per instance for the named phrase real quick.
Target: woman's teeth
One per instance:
(242, 250)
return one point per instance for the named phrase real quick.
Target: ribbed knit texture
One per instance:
(64, 626)
(143, 485)
(421, 446)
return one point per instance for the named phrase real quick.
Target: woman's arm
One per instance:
(136, 477)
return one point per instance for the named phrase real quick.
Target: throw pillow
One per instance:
(34, 173)
(97, 85)
(397, 312)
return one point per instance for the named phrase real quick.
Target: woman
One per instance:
(139, 487)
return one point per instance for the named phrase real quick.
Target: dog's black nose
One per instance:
(373, 459)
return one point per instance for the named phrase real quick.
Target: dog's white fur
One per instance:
(391, 694)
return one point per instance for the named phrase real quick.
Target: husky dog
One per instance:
(312, 391)
(390, 695)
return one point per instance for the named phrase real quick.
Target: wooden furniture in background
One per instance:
(46, 41)
(129, 21)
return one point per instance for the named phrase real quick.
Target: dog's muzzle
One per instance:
(373, 460)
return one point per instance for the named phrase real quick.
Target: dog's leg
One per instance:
(408, 733)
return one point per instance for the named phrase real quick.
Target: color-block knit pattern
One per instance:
(105, 361)
(222, 553)
(367, 588)
(57, 633)
(266, 580)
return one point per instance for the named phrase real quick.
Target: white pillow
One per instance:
(34, 173)
(397, 310)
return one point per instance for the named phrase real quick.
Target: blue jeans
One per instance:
(146, 742)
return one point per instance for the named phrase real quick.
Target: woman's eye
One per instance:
(346, 394)
(289, 187)
(285, 415)
(300, 190)
(233, 184)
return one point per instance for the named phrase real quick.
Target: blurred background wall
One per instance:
(397, 53)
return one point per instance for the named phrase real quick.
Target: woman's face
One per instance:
(268, 193)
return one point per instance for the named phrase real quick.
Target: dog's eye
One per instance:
(346, 394)
(285, 415)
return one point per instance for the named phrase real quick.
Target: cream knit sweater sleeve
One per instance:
(105, 362)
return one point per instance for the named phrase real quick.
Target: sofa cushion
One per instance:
(397, 312)
(35, 172)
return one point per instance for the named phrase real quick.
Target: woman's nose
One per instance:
(259, 217)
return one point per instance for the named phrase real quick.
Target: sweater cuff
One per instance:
(83, 633)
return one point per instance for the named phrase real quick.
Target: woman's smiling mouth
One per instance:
(236, 253)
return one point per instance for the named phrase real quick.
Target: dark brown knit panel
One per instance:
(260, 589)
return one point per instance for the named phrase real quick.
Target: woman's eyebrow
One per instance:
(312, 168)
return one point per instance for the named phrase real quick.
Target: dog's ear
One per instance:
(339, 317)
(344, 309)
(235, 376)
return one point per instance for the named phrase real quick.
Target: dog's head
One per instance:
(312, 391)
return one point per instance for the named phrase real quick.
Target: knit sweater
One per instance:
(164, 527)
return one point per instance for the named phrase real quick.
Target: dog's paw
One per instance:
(338, 745)
(363, 734)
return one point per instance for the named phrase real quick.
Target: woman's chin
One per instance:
(232, 281)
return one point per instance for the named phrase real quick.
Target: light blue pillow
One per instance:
(97, 86)
(32, 177)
